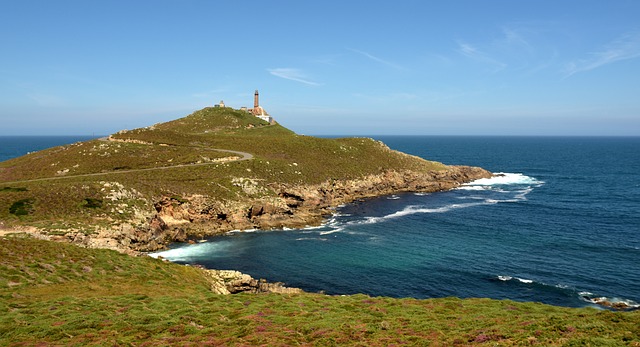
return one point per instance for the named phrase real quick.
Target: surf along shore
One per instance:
(213, 171)
(296, 206)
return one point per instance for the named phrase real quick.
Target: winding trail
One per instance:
(243, 156)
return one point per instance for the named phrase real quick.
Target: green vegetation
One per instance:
(22, 207)
(59, 294)
(138, 166)
(13, 189)
(93, 203)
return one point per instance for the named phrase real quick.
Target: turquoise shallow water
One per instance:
(561, 226)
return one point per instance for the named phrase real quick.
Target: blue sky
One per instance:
(324, 67)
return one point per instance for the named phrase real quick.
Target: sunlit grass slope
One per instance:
(150, 162)
(59, 294)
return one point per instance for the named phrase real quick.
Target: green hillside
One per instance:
(106, 182)
(59, 294)
(215, 170)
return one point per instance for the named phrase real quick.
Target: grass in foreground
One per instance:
(58, 294)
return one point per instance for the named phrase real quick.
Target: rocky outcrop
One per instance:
(616, 304)
(294, 205)
(233, 282)
(190, 217)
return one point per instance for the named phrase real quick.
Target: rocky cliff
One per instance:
(215, 170)
(292, 206)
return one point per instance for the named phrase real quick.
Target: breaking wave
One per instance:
(599, 301)
(187, 253)
(509, 278)
(501, 188)
(494, 186)
(504, 178)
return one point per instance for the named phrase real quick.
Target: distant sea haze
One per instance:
(559, 225)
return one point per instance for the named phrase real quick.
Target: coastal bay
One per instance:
(557, 226)
(110, 278)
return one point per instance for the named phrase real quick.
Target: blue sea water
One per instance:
(560, 225)
(15, 146)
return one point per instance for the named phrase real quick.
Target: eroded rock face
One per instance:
(294, 206)
(233, 282)
(182, 218)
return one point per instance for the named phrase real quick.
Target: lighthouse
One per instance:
(258, 111)
(256, 104)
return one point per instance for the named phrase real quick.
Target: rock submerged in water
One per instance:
(614, 304)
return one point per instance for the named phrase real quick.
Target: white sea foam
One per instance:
(241, 231)
(468, 187)
(472, 197)
(311, 239)
(416, 209)
(522, 194)
(503, 178)
(505, 278)
(614, 302)
(491, 185)
(409, 210)
(329, 232)
(188, 252)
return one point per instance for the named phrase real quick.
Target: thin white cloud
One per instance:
(468, 50)
(472, 52)
(378, 60)
(293, 75)
(327, 59)
(513, 38)
(46, 100)
(624, 48)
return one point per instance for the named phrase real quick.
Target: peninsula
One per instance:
(215, 170)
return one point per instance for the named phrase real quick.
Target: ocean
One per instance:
(559, 224)
(15, 146)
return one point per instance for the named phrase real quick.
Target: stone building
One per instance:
(258, 111)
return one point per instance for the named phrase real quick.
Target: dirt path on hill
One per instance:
(243, 156)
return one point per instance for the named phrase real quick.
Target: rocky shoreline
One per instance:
(227, 282)
(196, 217)
(294, 206)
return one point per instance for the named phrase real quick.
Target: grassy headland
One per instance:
(140, 188)
(170, 180)
(60, 294)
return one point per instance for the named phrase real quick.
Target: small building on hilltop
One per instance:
(258, 111)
